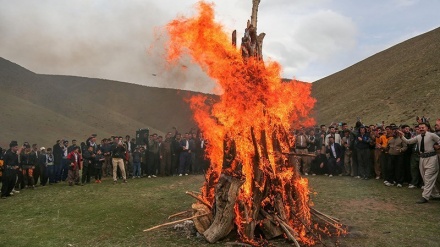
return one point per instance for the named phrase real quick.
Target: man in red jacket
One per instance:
(74, 161)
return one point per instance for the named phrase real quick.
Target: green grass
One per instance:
(115, 215)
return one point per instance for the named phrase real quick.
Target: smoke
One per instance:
(99, 39)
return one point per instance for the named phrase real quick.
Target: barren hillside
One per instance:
(394, 85)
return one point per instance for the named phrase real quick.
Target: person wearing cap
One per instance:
(428, 142)
(363, 153)
(10, 166)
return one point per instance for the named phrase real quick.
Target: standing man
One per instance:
(347, 144)
(118, 154)
(429, 166)
(395, 168)
(58, 156)
(34, 160)
(165, 156)
(10, 167)
(363, 153)
(185, 156)
(301, 148)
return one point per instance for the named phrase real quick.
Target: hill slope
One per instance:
(394, 85)
(43, 108)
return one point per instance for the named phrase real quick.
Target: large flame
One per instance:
(254, 99)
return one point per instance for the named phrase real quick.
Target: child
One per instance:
(99, 160)
(136, 163)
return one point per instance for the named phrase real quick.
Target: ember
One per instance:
(250, 186)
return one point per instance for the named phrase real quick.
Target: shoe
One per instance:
(11, 194)
(411, 186)
(377, 177)
(421, 201)
(115, 182)
(399, 186)
(180, 175)
(154, 176)
(96, 181)
(358, 177)
(149, 177)
(365, 178)
(16, 191)
(186, 174)
(330, 175)
(306, 174)
(388, 184)
(385, 182)
(125, 181)
(313, 174)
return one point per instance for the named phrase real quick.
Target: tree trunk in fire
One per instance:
(225, 198)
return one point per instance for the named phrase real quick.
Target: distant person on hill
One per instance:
(429, 165)
(73, 162)
(10, 167)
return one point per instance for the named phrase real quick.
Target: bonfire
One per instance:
(253, 187)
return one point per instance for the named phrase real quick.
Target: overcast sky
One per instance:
(117, 39)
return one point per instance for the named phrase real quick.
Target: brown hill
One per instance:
(394, 85)
(43, 108)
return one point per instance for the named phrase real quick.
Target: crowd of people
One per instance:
(28, 166)
(398, 154)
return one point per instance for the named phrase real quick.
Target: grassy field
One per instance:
(115, 215)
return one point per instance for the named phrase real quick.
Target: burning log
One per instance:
(225, 198)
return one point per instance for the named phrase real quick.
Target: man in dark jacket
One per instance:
(10, 166)
(334, 150)
(42, 164)
(88, 165)
(363, 153)
(58, 157)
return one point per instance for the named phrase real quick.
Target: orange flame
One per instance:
(255, 102)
